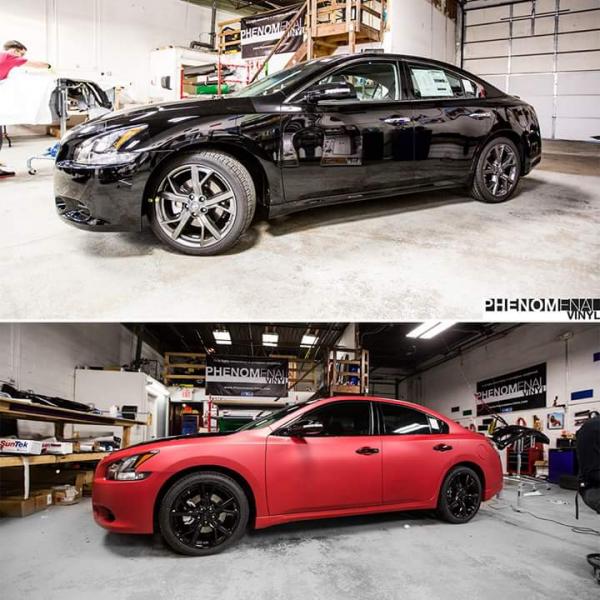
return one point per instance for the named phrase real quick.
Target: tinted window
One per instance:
(371, 80)
(433, 82)
(343, 418)
(401, 420)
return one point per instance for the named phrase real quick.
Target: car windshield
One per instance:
(280, 81)
(271, 418)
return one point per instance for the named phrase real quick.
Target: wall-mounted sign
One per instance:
(520, 390)
(260, 33)
(246, 377)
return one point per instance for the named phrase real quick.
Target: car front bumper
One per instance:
(125, 506)
(100, 198)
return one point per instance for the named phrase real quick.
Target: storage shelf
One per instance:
(51, 459)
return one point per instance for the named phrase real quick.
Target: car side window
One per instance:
(434, 82)
(372, 80)
(402, 420)
(342, 418)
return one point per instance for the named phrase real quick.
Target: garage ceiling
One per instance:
(392, 354)
(246, 338)
(247, 7)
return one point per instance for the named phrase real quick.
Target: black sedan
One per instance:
(332, 130)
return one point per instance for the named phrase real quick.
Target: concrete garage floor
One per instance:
(413, 256)
(501, 554)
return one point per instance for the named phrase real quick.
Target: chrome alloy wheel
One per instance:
(500, 170)
(204, 515)
(195, 206)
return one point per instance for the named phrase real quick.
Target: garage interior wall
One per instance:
(108, 41)
(545, 51)
(570, 368)
(42, 356)
(420, 27)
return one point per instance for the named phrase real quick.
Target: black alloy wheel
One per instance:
(460, 496)
(497, 172)
(202, 203)
(203, 513)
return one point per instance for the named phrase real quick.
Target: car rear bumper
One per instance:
(100, 198)
(124, 506)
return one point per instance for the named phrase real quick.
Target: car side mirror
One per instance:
(305, 428)
(330, 91)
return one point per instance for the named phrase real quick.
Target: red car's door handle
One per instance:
(367, 450)
(442, 447)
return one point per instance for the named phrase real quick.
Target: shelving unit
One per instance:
(348, 375)
(184, 367)
(11, 408)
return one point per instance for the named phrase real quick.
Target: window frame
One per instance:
(297, 97)
(381, 423)
(410, 90)
(282, 431)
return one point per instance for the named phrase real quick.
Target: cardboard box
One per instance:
(57, 447)
(17, 446)
(65, 494)
(17, 507)
(43, 499)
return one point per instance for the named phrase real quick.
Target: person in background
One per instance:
(14, 56)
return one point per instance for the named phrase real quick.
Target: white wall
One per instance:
(105, 40)
(42, 356)
(418, 27)
(570, 367)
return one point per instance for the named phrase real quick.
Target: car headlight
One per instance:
(126, 468)
(105, 149)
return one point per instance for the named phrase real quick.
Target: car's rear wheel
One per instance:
(497, 172)
(460, 496)
(203, 513)
(202, 203)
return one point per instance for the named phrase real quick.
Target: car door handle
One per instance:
(397, 120)
(480, 115)
(367, 450)
(442, 447)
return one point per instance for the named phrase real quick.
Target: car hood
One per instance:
(165, 115)
(175, 438)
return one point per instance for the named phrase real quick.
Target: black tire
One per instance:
(483, 182)
(447, 509)
(175, 529)
(233, 175)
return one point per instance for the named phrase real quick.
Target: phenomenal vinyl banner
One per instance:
(520, 390)
(260, 33)
(246, 377)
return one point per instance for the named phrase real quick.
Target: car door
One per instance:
(339, 468)
(348, 148)
(416, 454)
(451, 117)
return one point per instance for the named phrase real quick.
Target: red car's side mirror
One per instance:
(305, 428)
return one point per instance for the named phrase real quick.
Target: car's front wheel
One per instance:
(497, 171)
(203, 513)
(460, 496)
(202, 203)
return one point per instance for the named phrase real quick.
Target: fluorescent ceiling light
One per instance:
(442, 326)
(308, 340)
(429, 329)
(270, 339)
(222, 337)
(421, 329)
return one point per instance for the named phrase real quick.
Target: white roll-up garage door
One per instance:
(545, 51)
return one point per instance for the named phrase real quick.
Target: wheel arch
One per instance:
(465, 463)
(237, 477)
(260, 178)
(512, 135)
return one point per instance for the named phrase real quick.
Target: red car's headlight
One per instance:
(126, 468)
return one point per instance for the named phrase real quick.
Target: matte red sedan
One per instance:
(325, 458)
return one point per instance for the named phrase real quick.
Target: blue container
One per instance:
(561, 462)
